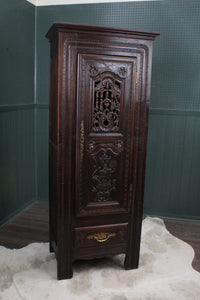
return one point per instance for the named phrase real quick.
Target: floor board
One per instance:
(189, 232)
(32, 226)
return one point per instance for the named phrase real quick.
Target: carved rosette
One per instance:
(122, 71)
(93, 70)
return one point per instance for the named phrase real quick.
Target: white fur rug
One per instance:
(165, 272)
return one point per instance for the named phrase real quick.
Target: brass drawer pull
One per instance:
(101, 237)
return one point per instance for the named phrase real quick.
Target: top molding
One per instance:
(69, 2)
(71, 27)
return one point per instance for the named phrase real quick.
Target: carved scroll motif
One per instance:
(107, 93)
(104, 174)
(104, 183)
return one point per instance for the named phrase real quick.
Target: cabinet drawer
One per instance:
(98, 236)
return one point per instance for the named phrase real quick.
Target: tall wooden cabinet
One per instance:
(99, 106)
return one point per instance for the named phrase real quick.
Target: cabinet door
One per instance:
(105, 124)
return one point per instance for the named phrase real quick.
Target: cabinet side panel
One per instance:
(132, 257)
(53, 120)
(53, 100)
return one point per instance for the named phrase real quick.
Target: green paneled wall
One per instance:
(173, 163)
(17, 19)
(17, 166)
(16, 162)
(42, 126)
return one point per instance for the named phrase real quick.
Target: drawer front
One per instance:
(99, 236)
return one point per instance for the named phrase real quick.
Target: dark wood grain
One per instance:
(32, 226)
(103, 30)
(99, 107)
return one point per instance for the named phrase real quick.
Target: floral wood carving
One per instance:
(104, 177)
(122, 71)
(115, 147)
(104, 181)
(93, 70)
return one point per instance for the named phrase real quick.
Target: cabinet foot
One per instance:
(64, 271)
(130, 264)
(65, 276)
(50, 247)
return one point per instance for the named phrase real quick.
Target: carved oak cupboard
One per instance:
(99, 106)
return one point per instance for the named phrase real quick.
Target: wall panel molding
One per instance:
(10, 107)
(28, 106)
(42, 106)
(178, 112)
(153, 111)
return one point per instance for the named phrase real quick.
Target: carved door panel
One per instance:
(105, 122)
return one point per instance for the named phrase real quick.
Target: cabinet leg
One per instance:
(131, 262)
(64, 271)
(50, 247)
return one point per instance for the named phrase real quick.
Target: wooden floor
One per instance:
(32, 226)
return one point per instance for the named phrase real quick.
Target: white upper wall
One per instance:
(65, 2)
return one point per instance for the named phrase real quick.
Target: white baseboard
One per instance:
(67, 2)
